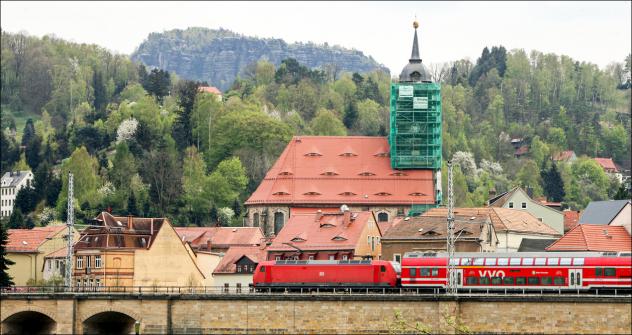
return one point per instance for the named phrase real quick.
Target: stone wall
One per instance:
(332, 314)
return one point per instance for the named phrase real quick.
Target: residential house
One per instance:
(329, 171)
(510, 225)
(571, 219)
(54, 265)
(335, 235)
(11, 183)
(212, 90)
(610, 168)
(535, 244)
(429, 233)
(237, 266)
(609, 212)
(594, 237)
(133, 251)
(521, 151)
(28, 248)
(567, 156)
(517, 198)
(211, 244)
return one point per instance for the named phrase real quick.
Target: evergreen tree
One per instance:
(351, 115)
(131, 205)
(26, 199)
(29, 224)
(10, 152)
(623, 193)
(29, 132)
(237, 208)
(100, 95)
(553, 184)
(32, 152)
(214, 215)
(16, 221)
(182, 133)
(5, 279)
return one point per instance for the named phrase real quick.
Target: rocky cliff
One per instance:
(218, 56)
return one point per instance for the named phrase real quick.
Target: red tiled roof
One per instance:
(607, 164)
(387, 225)
(570, 219)
(564, 155)
(590, 237)
(329, 232)
(227, 265)
(220, 237)
(522, 150)
(120, 232)
(210, 89)
(29, 240)
(341, 170)
(503, 219)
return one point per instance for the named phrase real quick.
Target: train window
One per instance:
(503, 261)
(546, 280)
(262, 269)
(609, 272)
(497, 280)
(508, 280)
(490, 261)
(466, 261)
(553, 261)
(558, 280)
(454, 261)
(527, 261)
(521, 281)
(413, 272)
(598, 271)
(484, 280)
(471, 280)
(382, 268)
(540, 261)
(478, 261)
(565, 261)
(533, 281)
(578, 261)
(435, 272)
(514, 261)
(425, 272)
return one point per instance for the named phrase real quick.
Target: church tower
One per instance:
(415, 120)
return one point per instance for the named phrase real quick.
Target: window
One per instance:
(262, 269)
(533, 281)
(397, 258)
(490, 261)
(609, 272)
(97, 261)
(546, 281)
(565, 261)
(598, 271)
(478, 261)
(78, 282)
(255, 219)
(425, 272)
(558, 280)
(277, 258)
(497, 280)
(382, 217)
(435, 272)
(521, 281)
(503, 261)
(311, 258)
(553, 261)
(382, 268)
(524, 205)
(332, 257)
(88, 262)
(510, 204)
(345, 257)
(514, 261)
(508, 280)
(79, 262)
(471, 280)
(466, 261)
(413, 272)
(97, 282)
(540, 261)
(578, 261)
(484, 280)
(238, 268)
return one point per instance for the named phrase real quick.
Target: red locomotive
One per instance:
(474, 271)
(315, 273)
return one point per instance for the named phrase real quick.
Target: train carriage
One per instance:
(528, 270)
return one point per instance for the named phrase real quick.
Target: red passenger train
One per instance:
(474, 271)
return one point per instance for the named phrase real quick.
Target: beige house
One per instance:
(510, 225)
(132, 251)
(28, 248)
(518, 199)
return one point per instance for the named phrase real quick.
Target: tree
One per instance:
(182, 130)
(588, 183)
(327, 124)
(16, 220)
(123, 167)
(351, 115)
(28, 133)
(213, 215)
(369, 119)
(196, 195)
(529, 177)
(10, 152)
(26, 199)
(84, 168)
(131, 205)
(32, 152)
(553, 184)
(5, 279)
(100, 94)
(237, 208)
(161, 168)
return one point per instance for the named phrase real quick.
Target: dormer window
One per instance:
(417, 194)
(431, 233)
(383, 194)
(285, 173)
(366, 174)
(312, 154)
(347, 194)
(298, 239)
(327, 225)
(348, 154)
(381, 154)
(311, 193)
(280, 193)
(338, 238)
(398, 173)
(329, 173)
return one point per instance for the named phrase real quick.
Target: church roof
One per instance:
(415, 71)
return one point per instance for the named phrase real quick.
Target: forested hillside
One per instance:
(220, 56)
(149, 143)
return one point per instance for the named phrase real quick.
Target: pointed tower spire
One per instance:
(414, 57)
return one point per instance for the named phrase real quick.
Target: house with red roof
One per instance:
(566, 156)
(331, 171)
(609, 167)
(571, 219)
(594, 237)
(212, 90)
(28, 248)
(237, 266)
(328, 235)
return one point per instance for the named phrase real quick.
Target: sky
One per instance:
(596, 32)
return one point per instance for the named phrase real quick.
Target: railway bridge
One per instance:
(317, 313)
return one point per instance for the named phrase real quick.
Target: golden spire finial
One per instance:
(416, 23)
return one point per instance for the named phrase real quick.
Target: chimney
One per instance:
(319, 215)
(129, 222)
(208, 244)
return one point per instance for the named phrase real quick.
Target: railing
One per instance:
(234, 290)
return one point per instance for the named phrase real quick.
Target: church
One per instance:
(398, 175)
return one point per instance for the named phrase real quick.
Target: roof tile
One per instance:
(29, 240)
(589, 237)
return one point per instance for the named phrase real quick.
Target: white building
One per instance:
(12, 182)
